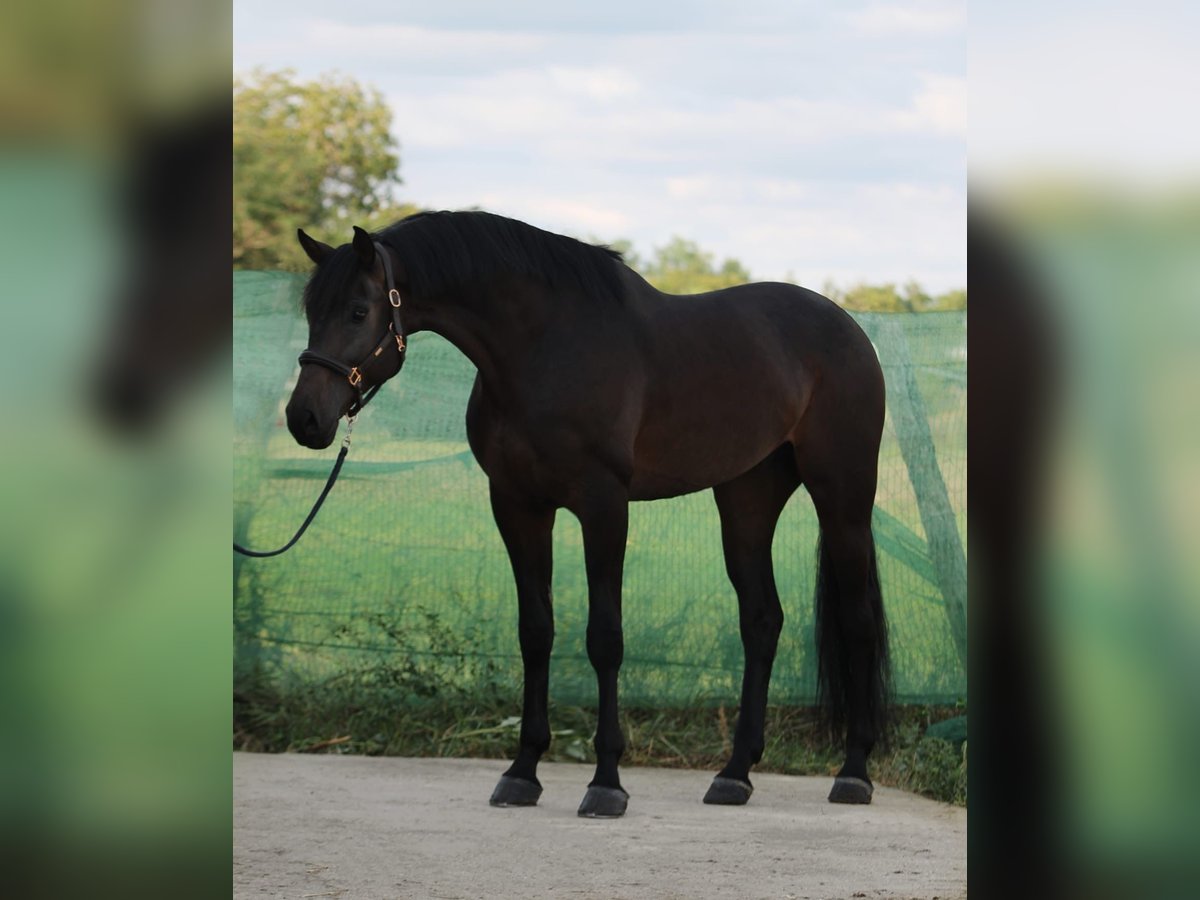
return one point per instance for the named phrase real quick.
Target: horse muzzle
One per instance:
(308, 428)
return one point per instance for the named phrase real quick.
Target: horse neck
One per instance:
(494, 325)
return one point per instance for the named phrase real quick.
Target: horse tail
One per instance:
(852, 648)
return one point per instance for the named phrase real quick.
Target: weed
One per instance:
(408, 699)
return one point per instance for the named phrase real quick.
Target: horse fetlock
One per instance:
(535, 741)
(609, 746)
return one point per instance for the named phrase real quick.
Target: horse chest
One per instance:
(511, 455)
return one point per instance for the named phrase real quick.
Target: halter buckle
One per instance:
(400, 342)
(394, 298)
(355, 377)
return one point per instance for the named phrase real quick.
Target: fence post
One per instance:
(911, 424)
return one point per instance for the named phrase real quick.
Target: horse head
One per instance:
(356, 340)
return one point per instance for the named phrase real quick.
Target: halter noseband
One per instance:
(395, 329)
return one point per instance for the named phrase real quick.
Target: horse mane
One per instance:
(441, 251)
(444, 250)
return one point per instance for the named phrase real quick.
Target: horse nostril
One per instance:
(301, 422)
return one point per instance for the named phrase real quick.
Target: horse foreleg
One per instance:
(526, 530)
(604, 518)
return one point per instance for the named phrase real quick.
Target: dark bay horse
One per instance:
(595, 389)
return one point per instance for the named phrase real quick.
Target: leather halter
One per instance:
(395, 329)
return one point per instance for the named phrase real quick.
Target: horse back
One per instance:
(732, 375)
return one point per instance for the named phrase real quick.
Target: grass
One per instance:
(396, 708)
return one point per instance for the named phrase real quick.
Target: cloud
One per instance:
(688, 187)
(415, 43)
(592, 217)
(602, 83)
(795, 146)
(922, 19)
(940, 107)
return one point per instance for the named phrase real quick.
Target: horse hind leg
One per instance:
(749, 507)
(851, 628)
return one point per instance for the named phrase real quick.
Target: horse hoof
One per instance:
(515, 792)
(847, 789)
(603, 803)
(728, 792)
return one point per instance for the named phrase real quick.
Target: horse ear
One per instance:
(316, 251)
(364, 247)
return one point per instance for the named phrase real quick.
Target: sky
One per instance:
(813, 142)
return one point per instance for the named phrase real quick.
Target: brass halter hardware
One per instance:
(394, 299)
(395, 329)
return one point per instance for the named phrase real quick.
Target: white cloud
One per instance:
(414, 43)
(913, 20)
(602, 83)
(940, 106)
(684, 188)
(800, 151)
(592, 217)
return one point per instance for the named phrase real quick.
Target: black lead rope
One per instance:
(337, 467)
(353, 374)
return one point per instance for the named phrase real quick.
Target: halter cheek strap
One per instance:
(395, 330)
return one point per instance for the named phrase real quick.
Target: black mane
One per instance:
(444, 250)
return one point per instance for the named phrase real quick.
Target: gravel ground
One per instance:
(362, 827)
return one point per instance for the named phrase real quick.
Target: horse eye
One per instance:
(359, 313)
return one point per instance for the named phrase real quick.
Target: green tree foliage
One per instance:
(681, 267)
(888, 298)
(317, 155)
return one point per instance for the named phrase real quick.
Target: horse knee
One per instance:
(605, 647)
(761, 630)
(536, 642)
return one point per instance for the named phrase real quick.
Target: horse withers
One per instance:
(595, 389)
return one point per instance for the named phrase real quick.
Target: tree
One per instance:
(956, 299)
(317, 155)
(681, 267)
(913, 298)
(886, 298)
(873, 298)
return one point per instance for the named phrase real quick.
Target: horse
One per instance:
(594, 389)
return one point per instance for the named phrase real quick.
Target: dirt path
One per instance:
(359, 827)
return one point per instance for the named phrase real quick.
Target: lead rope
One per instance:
(337, 467)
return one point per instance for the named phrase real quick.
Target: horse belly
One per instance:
(679, 454)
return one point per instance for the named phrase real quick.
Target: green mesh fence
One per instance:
(404, 559)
